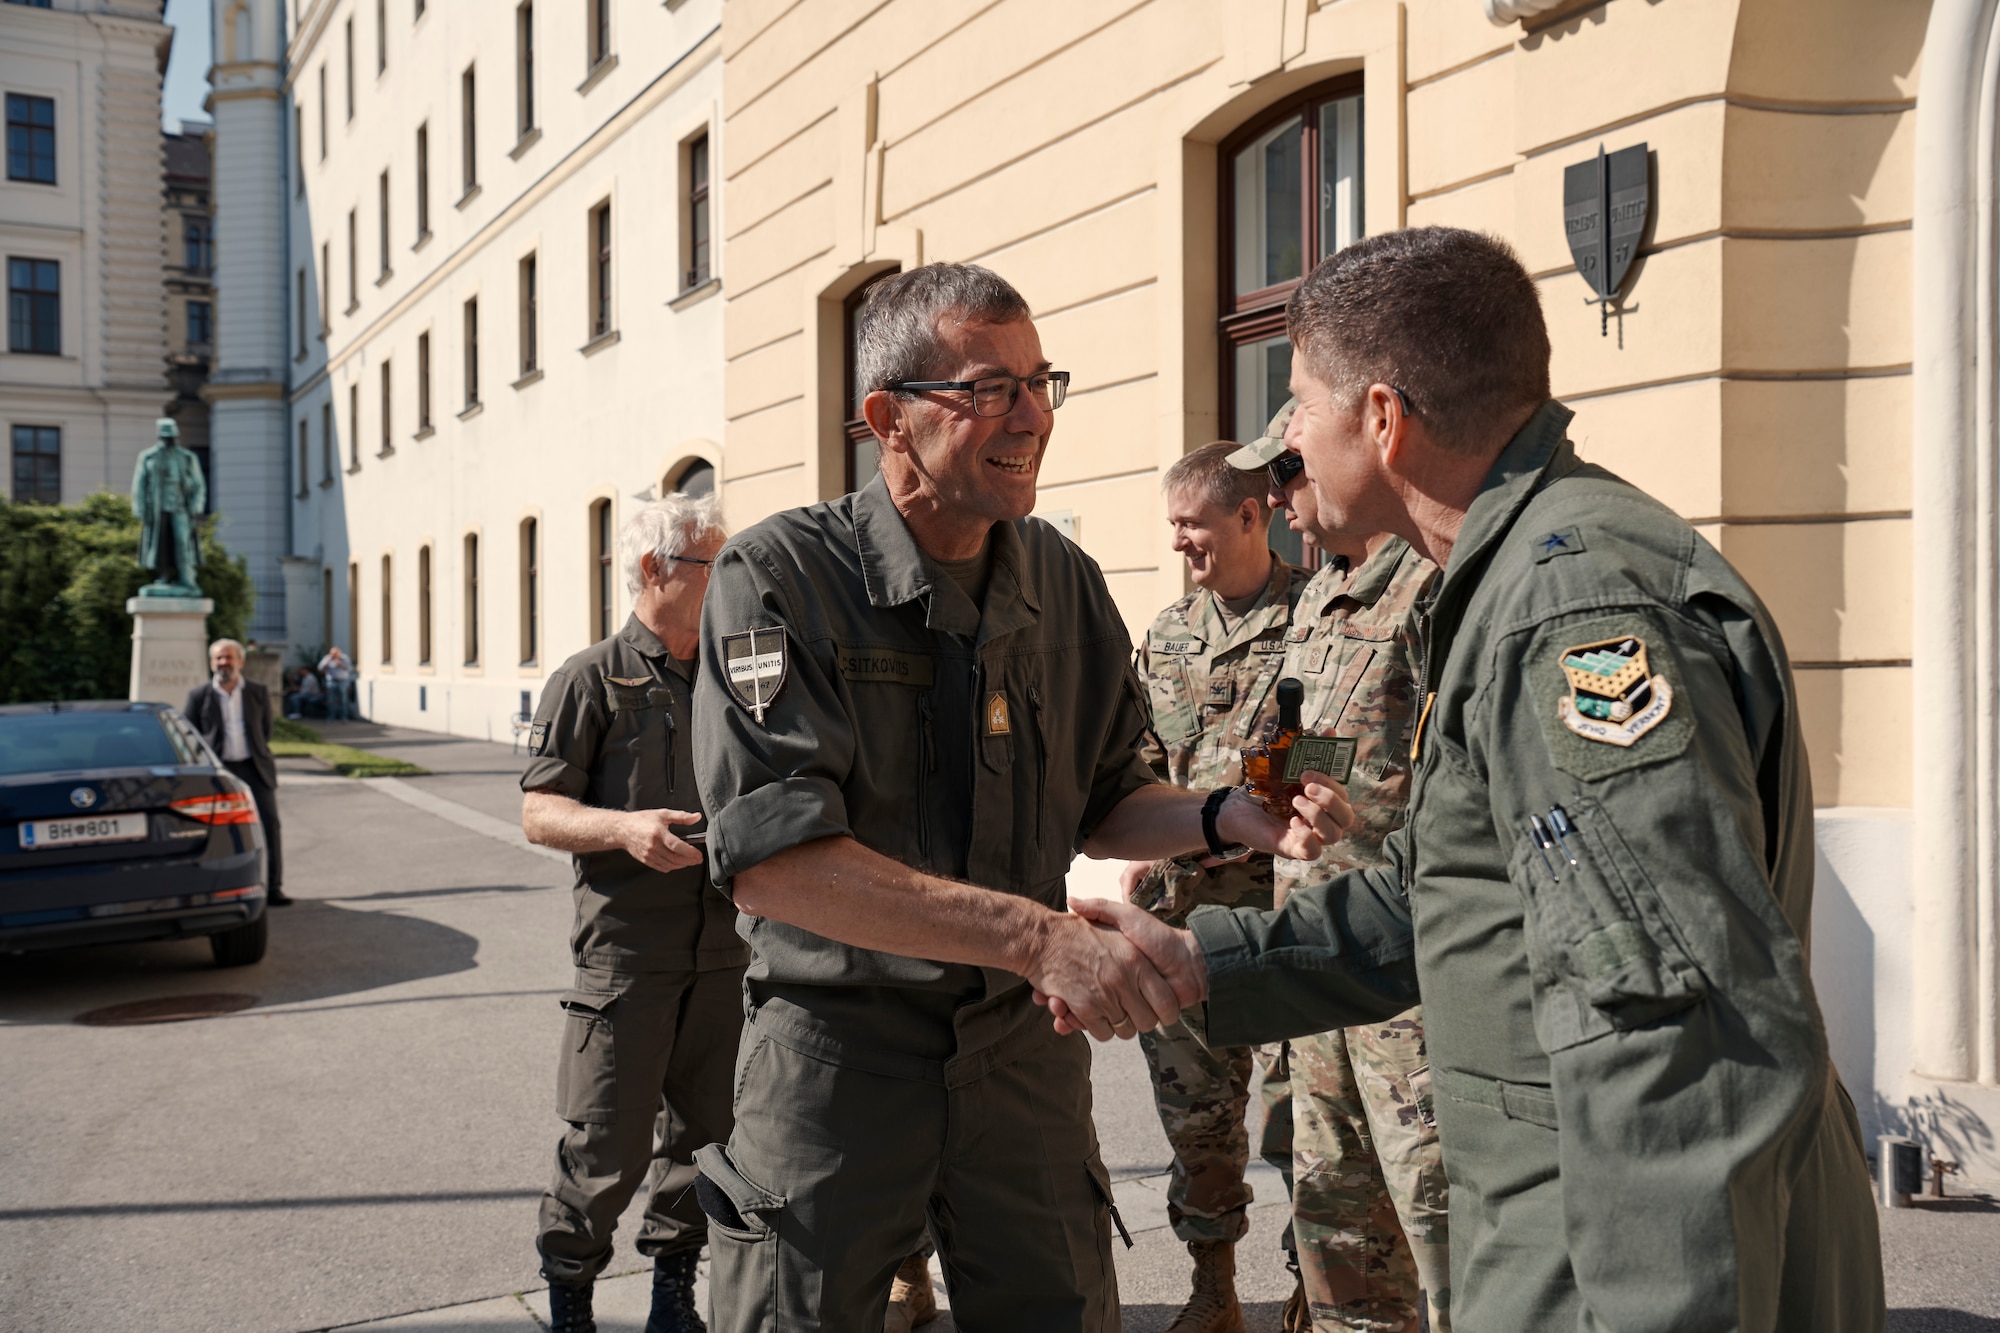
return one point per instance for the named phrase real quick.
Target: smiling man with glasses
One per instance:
(915, 706)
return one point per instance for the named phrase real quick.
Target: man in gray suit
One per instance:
(233, 714)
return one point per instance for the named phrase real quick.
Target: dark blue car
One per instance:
(118, 823)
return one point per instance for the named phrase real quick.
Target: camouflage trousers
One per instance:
(1369, 1190)
(1203, 1098)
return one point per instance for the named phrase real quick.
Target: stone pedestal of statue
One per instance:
(169, 647)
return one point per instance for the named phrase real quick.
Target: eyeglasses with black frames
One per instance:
(995, 395)
(692, 560)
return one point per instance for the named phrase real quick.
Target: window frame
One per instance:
(424, 424)
(602, 277)
(354, 612)
(45, 465)
(384, 273)
(468, 131)
(347, 58)
(469, 331)
(387, 408)
(599, 35)
(305, 457)
(34, 131)
(206, 337)
(527, 282)
(698, 211)
(524, 69)
(469, 557)
(354, 426)
(43, 308)
(329, 443)
(529, 553)
(423, 182)
(388, 610)
(854, 429)
(426, 605)
(603, 557)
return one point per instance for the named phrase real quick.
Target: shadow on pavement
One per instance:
(317, 951)
(1257, 1316)
(1940, 1321)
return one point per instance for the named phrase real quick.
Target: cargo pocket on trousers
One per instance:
(1602, 952)
(743, 1241)
(1100, 1180)
(587, 1077)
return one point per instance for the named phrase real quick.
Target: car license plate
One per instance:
(37, 834)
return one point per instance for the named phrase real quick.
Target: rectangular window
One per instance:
(472, 353)
(524, 66)
(298, 149)
(354, 610)
(34, 306)
(698, 263)
(600, 270)
(37, 465)
(347, 52)
(531, 591)
(603, 599)
(381, 36)
(354, 428)
(423, 381)
(423, 181)
(382, 219)
(200, 323)
(353, 260)
(305, 455)
(423, 606)
(328, 446)
(322, 111)
(600, 32)
(1292, 182)
(468, 128)
(299, 300)
(197, 245)
(31, 139)
(387, 444)
(325, 287)
(472, 599)
(388, 611)
(326, 605)
(864, 455)
(529, 330)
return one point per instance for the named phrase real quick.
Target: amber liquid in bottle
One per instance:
(1264, 763)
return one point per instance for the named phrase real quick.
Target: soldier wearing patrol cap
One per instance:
(1209, 662)
(1604, 889)
(644, 1073)
(1369, 1194)
(916, 705)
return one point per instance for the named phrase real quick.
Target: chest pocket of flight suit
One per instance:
(1603, 954)
(643, 721)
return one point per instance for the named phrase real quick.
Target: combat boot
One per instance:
(911, 1300)
(569, 1308)
(1212, 1308)
(673, 1294)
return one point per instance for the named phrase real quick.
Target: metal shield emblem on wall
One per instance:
(1607, 203)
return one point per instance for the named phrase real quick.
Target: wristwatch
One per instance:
(1209, 810)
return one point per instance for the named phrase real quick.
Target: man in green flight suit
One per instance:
(1369, 1192)
(1604, 890)
(916, 705)
(1209, 662)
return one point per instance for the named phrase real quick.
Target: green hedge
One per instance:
(65, 574)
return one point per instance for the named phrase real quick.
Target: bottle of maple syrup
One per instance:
(1264, 763)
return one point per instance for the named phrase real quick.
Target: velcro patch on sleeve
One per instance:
(1605, 692)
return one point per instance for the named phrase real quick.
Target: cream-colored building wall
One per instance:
(609, 418)
(1757, 379)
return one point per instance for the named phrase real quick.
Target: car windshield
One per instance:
(68, 740)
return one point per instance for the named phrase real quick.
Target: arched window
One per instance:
(531, 591)
(1291, 195)
(862, 464)
(603, 595)
(423, 605)
(697, 478)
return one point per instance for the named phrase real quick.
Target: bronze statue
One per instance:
(169, 495)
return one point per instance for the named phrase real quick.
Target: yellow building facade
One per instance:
(1153, 174)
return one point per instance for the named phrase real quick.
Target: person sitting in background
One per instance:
(339, 675)
(305, 698)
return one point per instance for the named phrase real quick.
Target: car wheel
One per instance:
(242, 946)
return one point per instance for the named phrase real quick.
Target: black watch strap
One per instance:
(1210, 808)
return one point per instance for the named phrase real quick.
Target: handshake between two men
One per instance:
(1129, 972)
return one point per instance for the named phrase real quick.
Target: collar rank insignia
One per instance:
(754, 667)
(1564, 541)
(1613, 698)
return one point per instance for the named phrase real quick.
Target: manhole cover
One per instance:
(167, 1009)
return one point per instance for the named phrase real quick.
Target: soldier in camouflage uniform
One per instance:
(1209, 662)
(1369, 1184)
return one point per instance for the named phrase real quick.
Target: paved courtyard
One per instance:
(363, 1145)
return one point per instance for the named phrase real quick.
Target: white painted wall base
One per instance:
(169, 647)
(1863, 935)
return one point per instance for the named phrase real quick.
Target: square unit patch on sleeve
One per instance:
(1605, 690)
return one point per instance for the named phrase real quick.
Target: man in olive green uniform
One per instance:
(1604, 890)
(1209, 662)
(1369, 1193)
(653, 1019)
(916, 704)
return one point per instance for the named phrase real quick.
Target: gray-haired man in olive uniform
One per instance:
(1604, 887)
(915, 705)
(654, 1016)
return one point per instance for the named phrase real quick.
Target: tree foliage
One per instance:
(65, 574)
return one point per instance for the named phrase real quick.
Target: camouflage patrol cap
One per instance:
(1267, 446)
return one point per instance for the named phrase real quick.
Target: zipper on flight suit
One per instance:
(924, 714)
(1041, 758)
